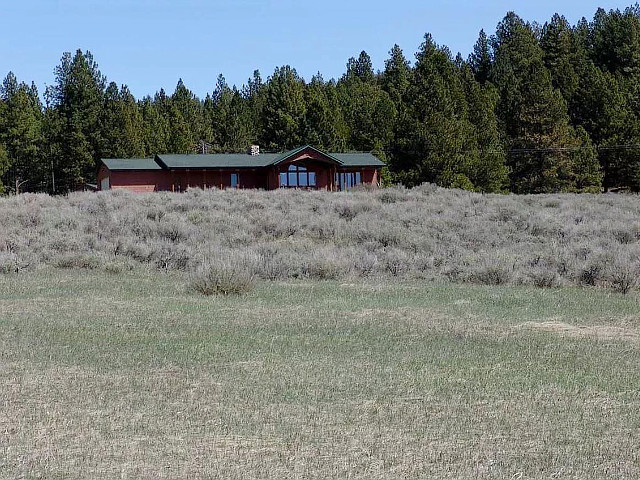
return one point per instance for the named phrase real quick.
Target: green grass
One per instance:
(133, 376)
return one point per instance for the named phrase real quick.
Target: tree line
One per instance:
(534, 109)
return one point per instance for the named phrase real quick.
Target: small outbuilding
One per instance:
(305, 168)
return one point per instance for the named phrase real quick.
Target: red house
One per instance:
(305, 167)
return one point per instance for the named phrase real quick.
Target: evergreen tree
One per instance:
(615, 40)
(4, 166)
(320, 126)
(396, 77)
(77, 99)
(481, 59)
(533, 115)
(434, 143)
(369, 114)
(231, 118)
(186, 119)
(488, 171)
(284, 110)
(21, 135)
(361, 67)
(155, 129)
(121, 125)
(561, 54)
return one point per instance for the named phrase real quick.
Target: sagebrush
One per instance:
(422, 233)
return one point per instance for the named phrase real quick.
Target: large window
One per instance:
(347, 180)
(297, 176)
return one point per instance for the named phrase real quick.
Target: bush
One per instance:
(491, 275)
(222, 278)
(76, 260)
(542, 277)
(590, 275)
(622, 278)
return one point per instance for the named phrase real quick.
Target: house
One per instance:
(305, 167)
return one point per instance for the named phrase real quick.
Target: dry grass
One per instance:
(131, 376)
(599, 332)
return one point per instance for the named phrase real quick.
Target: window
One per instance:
(347, 180)
(297, 176)
(235, 180)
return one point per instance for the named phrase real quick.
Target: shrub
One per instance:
(590, 275)
(491, 275)
(622, 278)
(542, 277)
(222, 278)
(9, 263)
(323, 268)
(76, 260)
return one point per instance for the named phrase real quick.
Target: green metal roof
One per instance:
(219, 160)
(235, 160)
(131, 164)
(358, 159)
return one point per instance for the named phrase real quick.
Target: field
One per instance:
(131, 376)
(388, 334)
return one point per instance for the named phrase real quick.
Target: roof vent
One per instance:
(254, 149)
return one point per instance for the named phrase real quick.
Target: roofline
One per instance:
(285, 156)
(277, 161)
(127, 169)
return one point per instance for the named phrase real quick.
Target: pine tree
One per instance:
(155, 126)
(361, 67)
(77, 99)
(121, 125)
(615, 40)
(4, 166)
(283, 111)
(21, 134)
(481, 59)
(562, 52)
(396, 77)
(433, 142)
(533, 115)
(187, 119)
(320, 127)
(488, 171)
(369, 114)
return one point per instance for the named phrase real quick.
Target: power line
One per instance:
(529, 150)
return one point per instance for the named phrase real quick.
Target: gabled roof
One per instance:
(292, 153)
(236, 160)
(131, 164)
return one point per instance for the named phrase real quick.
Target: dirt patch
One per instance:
(600, 332)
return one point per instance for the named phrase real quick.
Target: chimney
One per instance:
(254, 150)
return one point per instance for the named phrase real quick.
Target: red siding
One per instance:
(268, 178)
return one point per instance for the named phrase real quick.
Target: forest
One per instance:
(533, 109)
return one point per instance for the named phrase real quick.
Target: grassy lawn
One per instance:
(131, 376)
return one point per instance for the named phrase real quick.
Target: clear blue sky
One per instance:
(149, 44)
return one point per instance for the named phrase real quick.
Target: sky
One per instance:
(151, 44)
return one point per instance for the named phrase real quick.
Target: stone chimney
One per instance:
(254, 149)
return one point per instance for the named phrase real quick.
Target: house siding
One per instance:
(180, 179)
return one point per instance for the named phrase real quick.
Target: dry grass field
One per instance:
(128, 374)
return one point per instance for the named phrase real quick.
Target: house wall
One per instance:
(133, 180)
(370, 176)
(180, 180)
